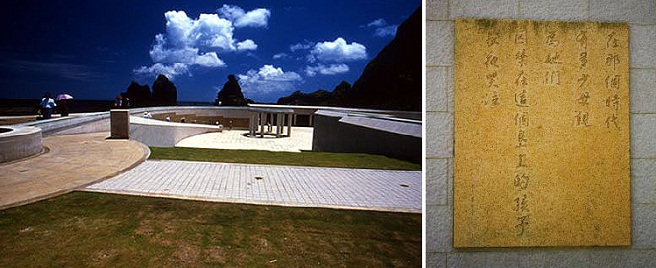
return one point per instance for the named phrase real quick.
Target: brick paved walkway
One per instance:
(272, 185)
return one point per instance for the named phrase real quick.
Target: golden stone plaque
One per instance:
(541, 134)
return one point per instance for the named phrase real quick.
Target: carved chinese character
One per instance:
(492, 38)
(584, 99)
(491, 60)
(583, 59)
(581, 119)
(521, 181)
(582, 80)
(612, 60)
(551, 40)
(612, 119)
(553, 58)
(551, 78)
(521, 98)
(521, 203)
(522, 161)
(521, 79)
(613, 102)
(612, 42)
(522, 139)
(522, 225)
(520, 57)
(582, 39)
(492, 98)
(521, 119)
(613, 82)
(492, 79)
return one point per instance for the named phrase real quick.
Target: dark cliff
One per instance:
(391, 80)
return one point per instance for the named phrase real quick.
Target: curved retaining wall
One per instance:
(158, 133)
(76, 124)
(20, 142)
(367, 133)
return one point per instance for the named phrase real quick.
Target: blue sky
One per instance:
(94, 49)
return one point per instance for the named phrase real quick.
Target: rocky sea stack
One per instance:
(230, 94)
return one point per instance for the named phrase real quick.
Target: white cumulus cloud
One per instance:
(196, 42)
(171, 71)
(212, 31)
(268, 79)
(331, 69)
(186, 55)
(270, 73)
(254, 18)
(246, 45)
(208, 30)
(209, 59)
(338, 51)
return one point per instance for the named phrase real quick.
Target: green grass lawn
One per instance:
(318, 159)
(84, 229)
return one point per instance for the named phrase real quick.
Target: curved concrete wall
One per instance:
(209, 111)
(164, 134)
(76, 124)
(159, 133)
(19, 143)
(207, 115)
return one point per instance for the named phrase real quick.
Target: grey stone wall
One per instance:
(332, 135)
(440, 16)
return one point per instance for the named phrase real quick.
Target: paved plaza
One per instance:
(76, 162)
(265, 184)
(272, 185)
(70, 162)
(300, 140)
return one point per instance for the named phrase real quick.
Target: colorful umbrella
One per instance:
(64, 97)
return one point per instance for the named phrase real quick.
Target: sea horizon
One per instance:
(18, 107)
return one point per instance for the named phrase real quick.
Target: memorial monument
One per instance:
(541, 134)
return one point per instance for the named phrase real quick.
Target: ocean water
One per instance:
(10, 107)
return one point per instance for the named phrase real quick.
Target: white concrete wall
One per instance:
(78, 124)
(20, 142)
(157, 133)
(440, 15)
(101, 125)
(236, 112)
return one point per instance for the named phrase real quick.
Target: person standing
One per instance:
(63, 107)
(47, 105)
(118, 103)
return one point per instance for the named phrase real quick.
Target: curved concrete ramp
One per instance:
(73, 161)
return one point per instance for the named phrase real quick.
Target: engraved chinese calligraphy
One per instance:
(541, 134)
